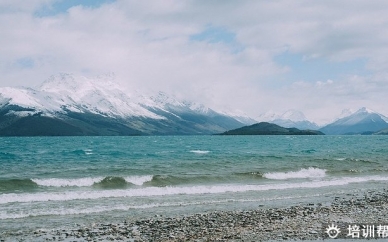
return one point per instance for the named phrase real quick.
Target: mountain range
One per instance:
(363, 121)
(72, 105)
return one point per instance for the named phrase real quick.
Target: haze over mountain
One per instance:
(289, 119)
(74, 105)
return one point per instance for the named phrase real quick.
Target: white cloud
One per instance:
(148, 45)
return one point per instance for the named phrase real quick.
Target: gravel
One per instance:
(302, 222)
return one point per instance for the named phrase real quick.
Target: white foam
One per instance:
(87, 181)
(88, 152)
(303, 173)
(58, 182)
(168, 191)
(138, 180)
(200, 151)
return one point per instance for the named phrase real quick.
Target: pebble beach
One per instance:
(300, 222)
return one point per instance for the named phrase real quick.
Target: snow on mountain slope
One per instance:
(74, 105)
(29, 98)
(170, 103)
(99, 96)
(65, 93)
(357, 116)
(361, 121)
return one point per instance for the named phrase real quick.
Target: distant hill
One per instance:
(265, 128)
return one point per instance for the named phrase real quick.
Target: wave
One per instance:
(200, 151)
(303, 173)
(171, 180)
(109, 181)
(121, 182)
(17, 184)
(354, 160)
(345, 171)
(71, 182)
(340, 159)
(252, 174)
(169, 190)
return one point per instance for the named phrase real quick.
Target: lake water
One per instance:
(53, 182)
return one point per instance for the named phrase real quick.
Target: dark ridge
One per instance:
(91, 124)
(265, 128)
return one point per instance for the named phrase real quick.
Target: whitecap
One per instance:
(71, 182)
(200, 151)
(303, 173)
(170, 191)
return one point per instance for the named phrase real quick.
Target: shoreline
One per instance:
(300, 222)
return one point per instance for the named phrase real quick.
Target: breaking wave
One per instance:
(170, 190)
(200, 151)
(102, 182)
(60, 182)
(303, 173)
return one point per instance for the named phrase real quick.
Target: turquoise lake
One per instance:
(48, 182)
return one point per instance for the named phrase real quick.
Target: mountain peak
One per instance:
(361, 121)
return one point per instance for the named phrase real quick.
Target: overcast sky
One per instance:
(319, 57)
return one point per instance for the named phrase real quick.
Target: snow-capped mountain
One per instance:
(363, 121)
(65, 92)
(72, 105)
(289, 119)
